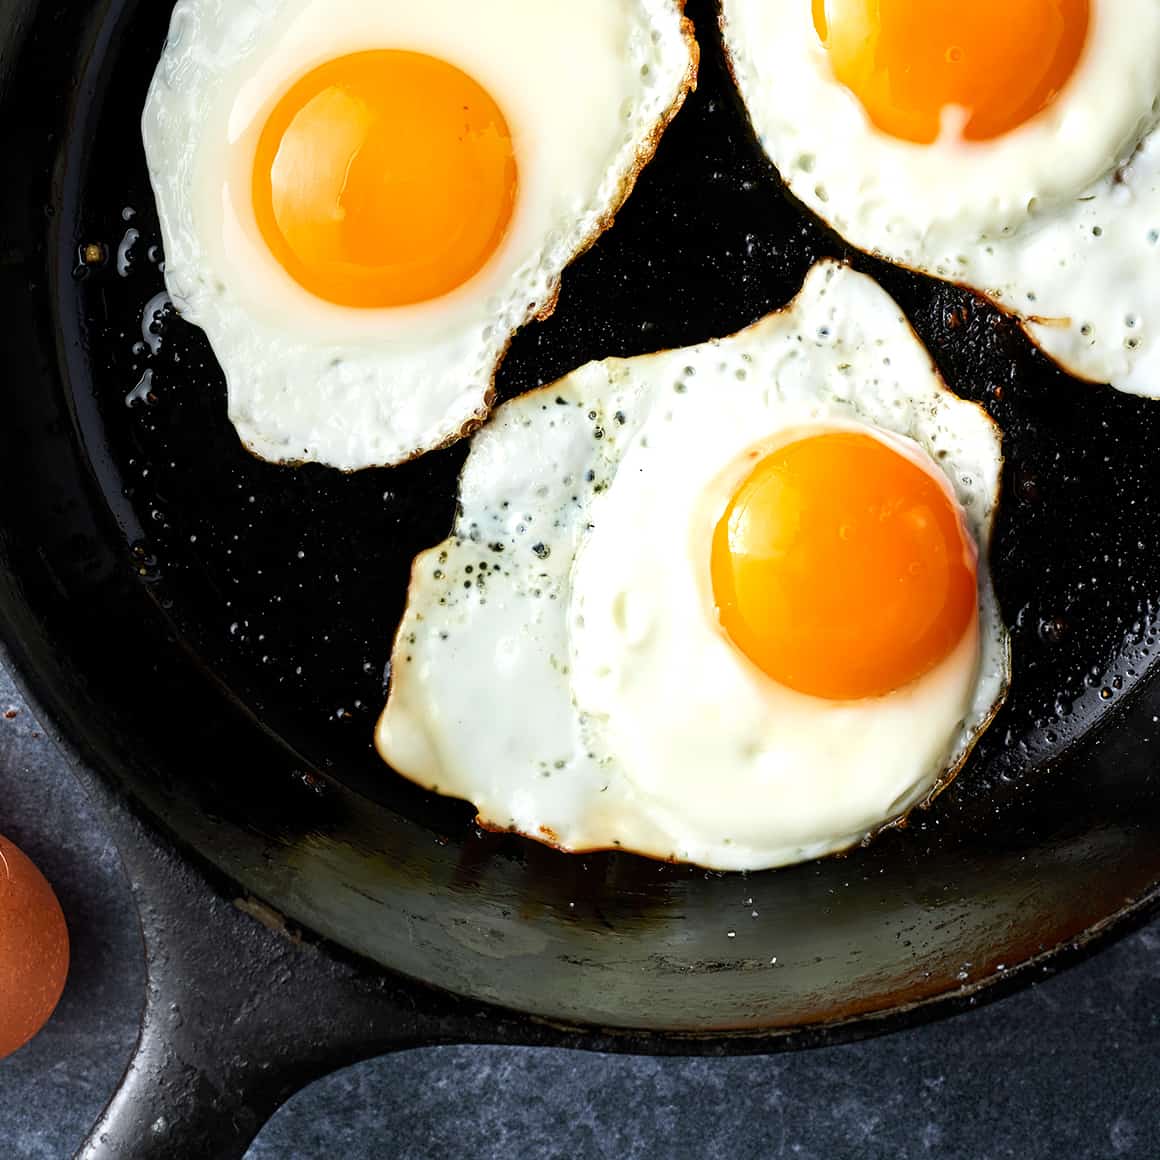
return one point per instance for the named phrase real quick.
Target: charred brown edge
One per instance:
(949, 776)
(899, 822)
(1025, 322)
(545, 310)
(727, 54)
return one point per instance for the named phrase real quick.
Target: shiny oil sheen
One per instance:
(213, 631)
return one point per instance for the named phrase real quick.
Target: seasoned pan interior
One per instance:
(216, 629)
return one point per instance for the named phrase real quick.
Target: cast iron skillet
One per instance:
(209, 634)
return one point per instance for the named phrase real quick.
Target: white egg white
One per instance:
(559, 663)
(1057, 221)
(586, 90)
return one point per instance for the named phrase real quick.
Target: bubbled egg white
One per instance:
(1056, 220)
(559, 663)
(586, 91)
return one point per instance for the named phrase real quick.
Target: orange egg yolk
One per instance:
(1000, 61)
(384, 178)
(842, 568)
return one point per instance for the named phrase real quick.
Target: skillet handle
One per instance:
(239, 1015)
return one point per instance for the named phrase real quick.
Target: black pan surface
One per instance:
(213, 631)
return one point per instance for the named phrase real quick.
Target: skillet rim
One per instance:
(518, 1027)
(29, 679)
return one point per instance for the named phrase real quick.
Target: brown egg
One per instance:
(33, 949)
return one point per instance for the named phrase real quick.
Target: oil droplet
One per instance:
(142, 393)
(125, 252)
(153, 318)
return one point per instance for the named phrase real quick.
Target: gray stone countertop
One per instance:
(1069, 1067)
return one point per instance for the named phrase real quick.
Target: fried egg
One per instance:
(362, 200)
(727, 605)
(1007, 147)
